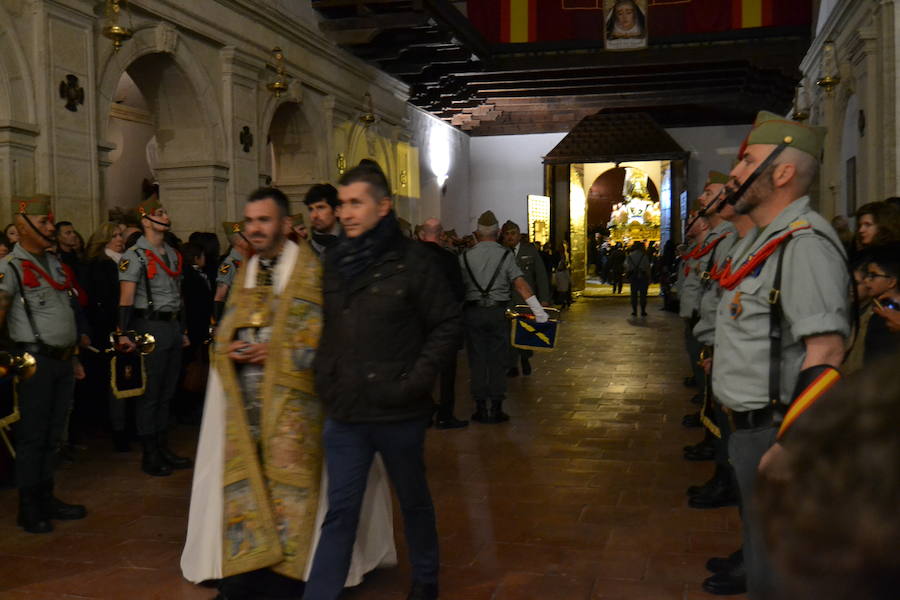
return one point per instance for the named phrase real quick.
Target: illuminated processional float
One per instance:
(637, 217)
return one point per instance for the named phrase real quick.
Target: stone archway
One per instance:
(18, 120)
(295, 153)
(185, 114)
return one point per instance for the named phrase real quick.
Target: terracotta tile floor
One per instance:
(579, 497)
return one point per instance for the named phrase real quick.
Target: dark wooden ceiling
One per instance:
(499, 89)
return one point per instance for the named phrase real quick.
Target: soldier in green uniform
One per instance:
(490, 273)
(150, 302)
(784, 315)
(240, 251)
(689, 297)
(719, 238)
(36, 306)
(532, 266)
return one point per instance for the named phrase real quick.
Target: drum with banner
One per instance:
(528, 334)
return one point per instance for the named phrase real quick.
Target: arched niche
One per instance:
(295, 151)
(183, 107)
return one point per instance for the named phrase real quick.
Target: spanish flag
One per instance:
(518, 21)
(752, 13)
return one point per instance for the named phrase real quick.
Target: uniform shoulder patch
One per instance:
(799, 223)
(224, 268)
(123, 264)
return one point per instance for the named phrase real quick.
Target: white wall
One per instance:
(451, 205)
(712, 149)
(504, 169)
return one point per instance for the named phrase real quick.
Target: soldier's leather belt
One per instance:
(59, 353)
(157, 315)
(751, 419)
(481, 304)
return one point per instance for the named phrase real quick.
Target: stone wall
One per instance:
(861, 112)
(203, 67)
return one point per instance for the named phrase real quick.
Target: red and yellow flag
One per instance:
(752, 13)
(518, 21)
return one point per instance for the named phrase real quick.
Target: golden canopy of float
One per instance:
(637, 218)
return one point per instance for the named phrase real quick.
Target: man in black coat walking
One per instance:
(430, 235)
(390, 325)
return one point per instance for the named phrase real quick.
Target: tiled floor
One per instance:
(579, 497)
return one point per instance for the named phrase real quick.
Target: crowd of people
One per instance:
(140, 330)
(309, 350)
(773, 324)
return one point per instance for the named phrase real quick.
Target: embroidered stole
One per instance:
(271, 489)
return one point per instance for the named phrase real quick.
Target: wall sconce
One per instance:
(279, 86)
(368, 117)
(341, 163)
(830, 74)
(801, 106)
(113, 30)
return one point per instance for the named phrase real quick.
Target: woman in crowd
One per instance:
(11, 234)
(877, 223)
(198, 303)
(101, 281)
(5, 246)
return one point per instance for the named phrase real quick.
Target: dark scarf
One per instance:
(326, 240)
(352, 256)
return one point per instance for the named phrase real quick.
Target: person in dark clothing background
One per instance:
(101, 281)
(430, 235)
(198, 305)
(617, 268)
(390, 325)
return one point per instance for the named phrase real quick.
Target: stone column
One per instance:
(17, 169)
(240, 81)
(194, 194)
(66, 98)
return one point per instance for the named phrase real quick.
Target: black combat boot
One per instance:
(481, 414)
(30, 518)
(497, 415)
(718, 564)
(173, 460)
(423, 591)
(152, 462)
(730, 582)
(722, 490)
(54, 508)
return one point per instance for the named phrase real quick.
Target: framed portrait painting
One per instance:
(625, 24)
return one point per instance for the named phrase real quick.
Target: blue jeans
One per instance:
(349, 450)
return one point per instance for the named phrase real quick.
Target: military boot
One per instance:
(54, 508)
(152, 462)
(481, 414)
(30, 518)
(173, 460)
(497, 415)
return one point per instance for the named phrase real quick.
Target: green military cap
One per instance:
(487, 219)
(37, 204)
(510, 225)
(773, 129)
(717, 177)
(232, 227)
(148, 206)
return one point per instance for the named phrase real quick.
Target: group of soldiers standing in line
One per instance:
(765, 296)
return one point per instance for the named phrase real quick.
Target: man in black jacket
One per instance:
(390, 325)
(430, 235)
